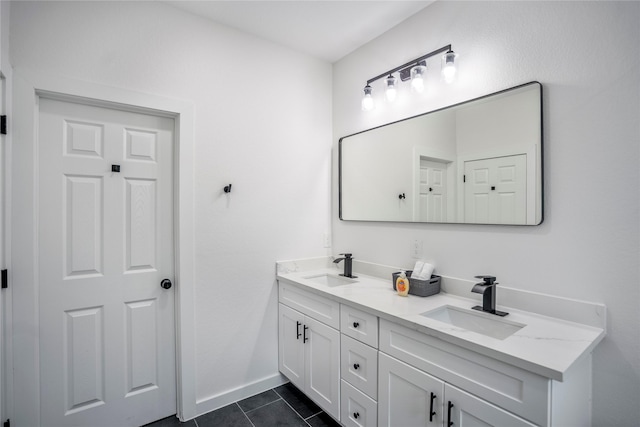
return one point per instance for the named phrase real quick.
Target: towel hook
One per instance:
(227, 189)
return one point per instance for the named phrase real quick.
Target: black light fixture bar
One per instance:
(411, 63)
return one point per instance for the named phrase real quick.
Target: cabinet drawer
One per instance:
(356, 408)
(359, 365)
(359, 325)
(514, 389)
(320, 308)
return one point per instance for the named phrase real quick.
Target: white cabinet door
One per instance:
(408, 396)
(291, 350)
(465, 410)
(309, 355)
(322, 365)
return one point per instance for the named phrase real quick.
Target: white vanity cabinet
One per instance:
(358, 367)
(371, 359)
(309, 345)
(411, 397)
(413, 365)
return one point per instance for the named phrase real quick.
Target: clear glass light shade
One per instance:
(449, 68)
(417, 78)
(391, 91)
(367, 99)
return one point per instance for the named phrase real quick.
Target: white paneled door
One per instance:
(105, 243)
(433, 191)
(496, 190)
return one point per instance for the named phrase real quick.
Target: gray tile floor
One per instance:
(283, 406)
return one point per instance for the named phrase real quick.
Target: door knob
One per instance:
(166, 283)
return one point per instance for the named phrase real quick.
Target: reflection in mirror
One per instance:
(479, 162)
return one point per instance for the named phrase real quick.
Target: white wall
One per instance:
(263, 124)
(586, 56)
(381, 164)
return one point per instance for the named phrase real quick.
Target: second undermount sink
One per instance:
(330, 280)
(481, 323)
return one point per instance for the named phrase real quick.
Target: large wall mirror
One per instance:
(478, 162)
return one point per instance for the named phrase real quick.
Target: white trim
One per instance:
(6, 371)
(4, 163)
(217, 401)
(27, 87)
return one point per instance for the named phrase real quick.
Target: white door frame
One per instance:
(28, 87)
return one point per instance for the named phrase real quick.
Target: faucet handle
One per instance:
(488, 280)
(347, 255)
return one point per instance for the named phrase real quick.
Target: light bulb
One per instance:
(367, 99)
(390, 92)
(449, 66)
(417, 78)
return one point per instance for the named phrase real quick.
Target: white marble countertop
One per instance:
(546, 346)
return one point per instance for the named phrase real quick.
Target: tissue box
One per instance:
(421, 288)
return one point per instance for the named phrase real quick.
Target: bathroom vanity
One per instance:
(371, 358)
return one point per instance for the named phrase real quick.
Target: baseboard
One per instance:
(220, 400)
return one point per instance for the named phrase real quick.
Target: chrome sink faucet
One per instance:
(488, 291)
(348, 265)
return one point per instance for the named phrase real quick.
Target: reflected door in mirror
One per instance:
(495, 190)
(433, 191)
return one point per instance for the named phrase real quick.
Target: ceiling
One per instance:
(326, 29)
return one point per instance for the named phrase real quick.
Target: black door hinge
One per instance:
(464, 178)
(8, 422)
(3, 125)
(5, 281)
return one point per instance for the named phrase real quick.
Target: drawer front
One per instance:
(359, 325)
(320, 308)
(356, 408)
(359, 365)
(514, 389)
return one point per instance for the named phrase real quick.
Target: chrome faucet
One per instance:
(348, 265)
(488, 290)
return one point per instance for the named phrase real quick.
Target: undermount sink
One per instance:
(330, 280)
(481, 323)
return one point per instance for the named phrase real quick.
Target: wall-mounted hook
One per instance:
(227, 189)
(401, 196)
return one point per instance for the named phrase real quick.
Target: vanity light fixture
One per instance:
(367, 100)
(414, 70)
(417, 77)
(449, 66)
(390, 92)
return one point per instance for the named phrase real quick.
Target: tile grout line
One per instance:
(245, 415)
(313, 415)
(262, 406)
(296, 412)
